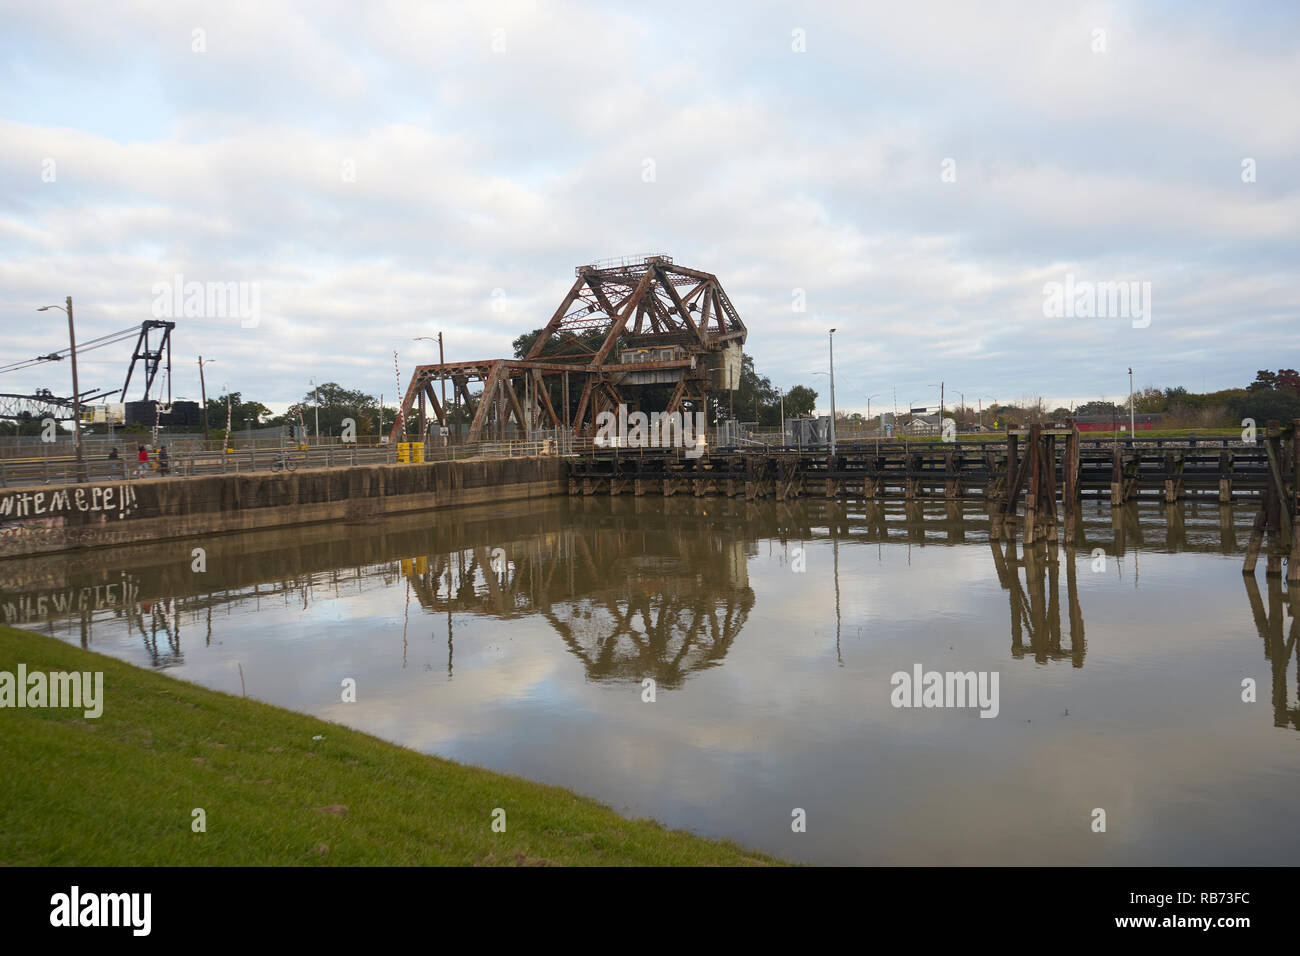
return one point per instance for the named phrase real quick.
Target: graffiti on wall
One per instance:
(107, 500)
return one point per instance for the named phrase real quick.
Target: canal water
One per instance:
(521, 638)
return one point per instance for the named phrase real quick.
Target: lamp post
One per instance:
(1130, 399)
(76, 393)
(869, 398)
(442, 377)
(831, 341)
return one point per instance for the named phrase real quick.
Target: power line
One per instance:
(112, 338)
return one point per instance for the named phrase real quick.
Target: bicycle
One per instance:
(284, 463)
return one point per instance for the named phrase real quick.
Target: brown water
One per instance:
(1119, 676)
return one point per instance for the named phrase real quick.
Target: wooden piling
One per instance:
(1116, 478)
(1070, 483)
(1034, 456)
(1293, 563)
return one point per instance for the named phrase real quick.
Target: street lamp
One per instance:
(1130, 397)
(869, 398)
(831, 341)
(76, 394)
(442, 368)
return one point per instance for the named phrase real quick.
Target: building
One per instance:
(923, 425)
(1105, 423)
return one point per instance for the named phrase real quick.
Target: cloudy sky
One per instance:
(914, 173)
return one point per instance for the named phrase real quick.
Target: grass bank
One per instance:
(120, 790)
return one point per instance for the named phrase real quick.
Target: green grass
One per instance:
(119, 790)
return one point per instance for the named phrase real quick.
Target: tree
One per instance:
(242, 414)
(1099, 408)
(336, 403)
(1263, 404)
(800, 402)
(1263, 379)
(1149, 400)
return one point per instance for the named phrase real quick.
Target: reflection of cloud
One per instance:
(1156, 733)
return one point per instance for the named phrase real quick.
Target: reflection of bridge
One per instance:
(629, 604)
(1278, 647)
(633, 588)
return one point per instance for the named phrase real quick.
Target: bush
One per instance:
(1267, 403)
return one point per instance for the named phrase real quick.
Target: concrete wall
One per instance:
(46, 518)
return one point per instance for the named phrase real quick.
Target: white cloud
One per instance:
(478, 170)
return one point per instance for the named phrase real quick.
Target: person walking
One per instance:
(163, 464)
(143, 458)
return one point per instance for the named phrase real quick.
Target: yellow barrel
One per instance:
(417, 451)
(404, 451)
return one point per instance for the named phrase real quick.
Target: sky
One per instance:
(916, 176)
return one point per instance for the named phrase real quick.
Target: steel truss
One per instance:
(622, 326)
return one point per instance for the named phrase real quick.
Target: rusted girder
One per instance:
(655, 322)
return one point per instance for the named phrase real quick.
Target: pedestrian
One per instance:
(143, 458)
(113, 455)
(162, 461)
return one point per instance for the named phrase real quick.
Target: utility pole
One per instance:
(203, 391)
(76, 396)
(831, 340)
(1130, 402)
(941, 408)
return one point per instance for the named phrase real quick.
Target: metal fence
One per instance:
(58, 464)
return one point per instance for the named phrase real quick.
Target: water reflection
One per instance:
(1279, 647)
(657, 601)
(632, 588)
(1036, 604)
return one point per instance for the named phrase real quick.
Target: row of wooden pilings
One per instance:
(1033, 472)
(1278, 519)
(1036, 457)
